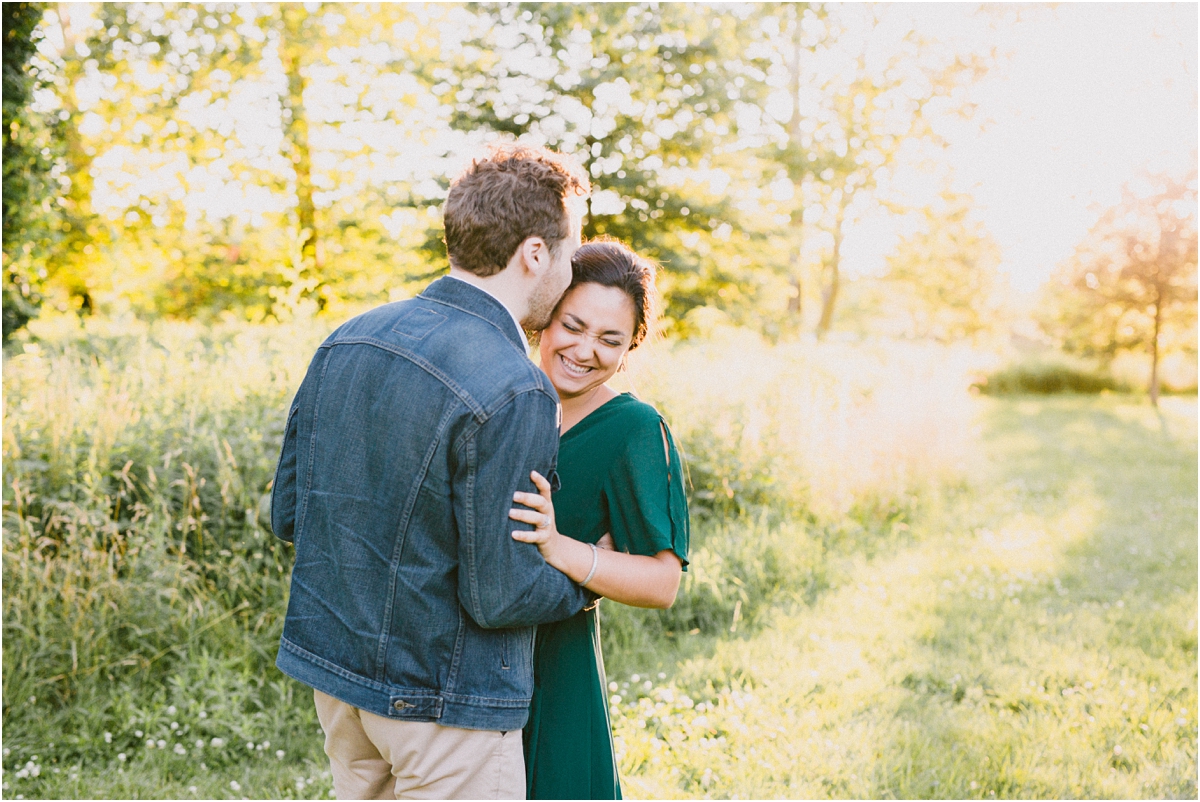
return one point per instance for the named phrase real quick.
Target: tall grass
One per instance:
(144, 594)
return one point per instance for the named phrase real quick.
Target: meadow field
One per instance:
(898, 588)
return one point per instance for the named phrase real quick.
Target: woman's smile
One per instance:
(574, 368)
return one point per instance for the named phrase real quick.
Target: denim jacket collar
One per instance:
(472, 300)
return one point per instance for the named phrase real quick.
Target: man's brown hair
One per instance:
(514, 193)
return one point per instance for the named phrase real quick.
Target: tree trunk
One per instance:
(1154, 351)
(829, 293)
(796, 303)
(295, 126)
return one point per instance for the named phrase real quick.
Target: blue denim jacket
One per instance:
(415, 424)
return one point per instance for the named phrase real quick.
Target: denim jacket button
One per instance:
(400, 704)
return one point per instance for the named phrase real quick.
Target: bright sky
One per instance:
(1091, 94)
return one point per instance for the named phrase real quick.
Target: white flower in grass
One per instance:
(149, 743)
(138, 733)
(162, 744)
(171, 710)
(249, 744)
(203, 714)
(180, 750)
(108, 737)
(199, 743)
(279, 754)
(217, 742)
(122, 757)
(192, 789)
(174, 725)
(235, 785)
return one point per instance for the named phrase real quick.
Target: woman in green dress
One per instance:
(621, 488)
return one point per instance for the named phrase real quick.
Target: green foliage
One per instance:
(946, 274)
(1041, 376)
(1131, 284)
(26, 169)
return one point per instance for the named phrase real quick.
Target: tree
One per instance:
(853, 87)
(945, 273)
(26, 169)
(646, 95)
(1133, 276)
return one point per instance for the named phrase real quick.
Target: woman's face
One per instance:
(591, 330)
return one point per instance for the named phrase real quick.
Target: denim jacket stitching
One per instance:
(302, 513)
(401, 538)
(391, 348)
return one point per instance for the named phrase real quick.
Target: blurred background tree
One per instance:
(28, 215)
(250, 160)
(1132, 281)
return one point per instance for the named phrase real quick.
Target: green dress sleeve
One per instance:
(644, 493)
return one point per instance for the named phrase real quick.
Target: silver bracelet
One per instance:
(595, 562)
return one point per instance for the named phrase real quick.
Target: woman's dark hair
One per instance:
(611, 263)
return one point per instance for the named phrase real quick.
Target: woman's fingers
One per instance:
(531, 500)
(534, 517)
(540, 483)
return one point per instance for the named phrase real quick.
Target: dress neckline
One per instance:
(594, 415)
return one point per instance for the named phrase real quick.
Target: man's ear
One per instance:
(535, 255)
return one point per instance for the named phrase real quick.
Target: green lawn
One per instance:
(1036, 639)
(1032, 634)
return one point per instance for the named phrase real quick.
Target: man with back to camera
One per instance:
(412, 609)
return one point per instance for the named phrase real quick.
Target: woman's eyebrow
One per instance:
(581, 323)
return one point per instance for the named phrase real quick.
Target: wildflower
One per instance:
(612, 686)
(1117, 750)
(162, 744)
(635, 678)
(171, 710)
(192, 789)
(203, 714)
(647, 685)
(6, 752)
(33, 700)
(149, 743)
(108, 737)
(138, 733)
(199, 743)
(1181, 721)
(662, 675)
(122, 757)
(249, 744)
(266, 744)
(217, 742)
(279, 753)
(180, 750)
(22, 774)
(174, 725)
(235, 785)
(615, 699)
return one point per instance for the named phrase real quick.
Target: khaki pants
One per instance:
(379, 758)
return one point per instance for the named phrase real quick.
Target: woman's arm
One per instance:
(632, 579)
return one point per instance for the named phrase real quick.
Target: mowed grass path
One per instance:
(1037, 639)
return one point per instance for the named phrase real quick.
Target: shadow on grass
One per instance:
(1074, 676)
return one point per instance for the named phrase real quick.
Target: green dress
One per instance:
(616, 477)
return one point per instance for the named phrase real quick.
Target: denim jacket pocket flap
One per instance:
(415, 706)
(418, 322)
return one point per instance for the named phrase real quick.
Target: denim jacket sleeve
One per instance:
(283, 490)
(501, 581)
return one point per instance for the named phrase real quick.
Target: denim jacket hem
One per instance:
(405, 704)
